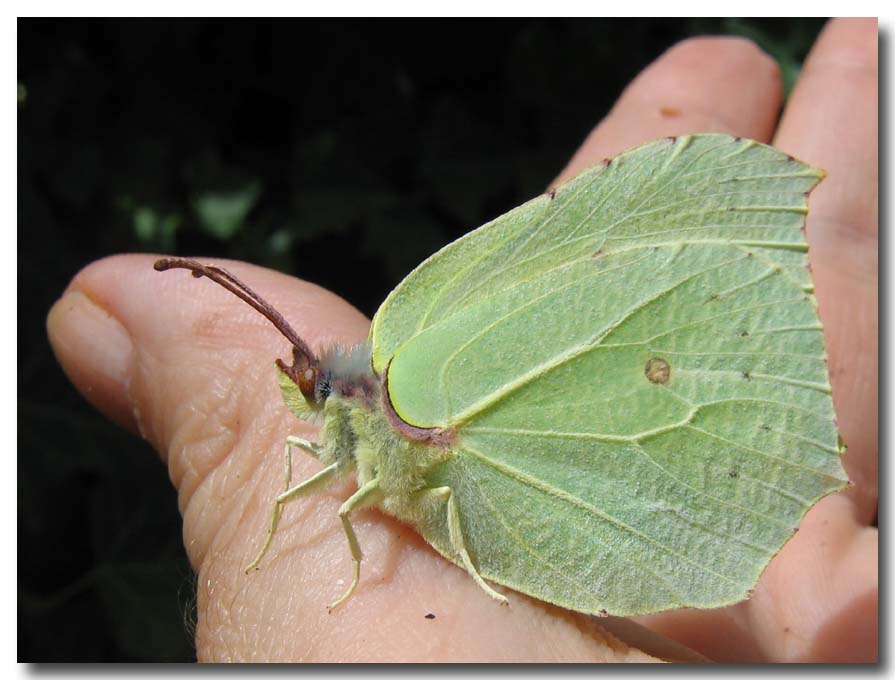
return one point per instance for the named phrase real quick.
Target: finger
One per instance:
(831, 122)
(699, 85)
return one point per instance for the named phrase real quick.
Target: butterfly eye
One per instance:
(325, 388)
(303, 372)
(307, 383)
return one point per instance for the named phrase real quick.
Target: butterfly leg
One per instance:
(305, 445)
(455, 531)
(319, 479)
(309, 447)
(364, 496)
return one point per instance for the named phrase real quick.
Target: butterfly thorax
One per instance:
(357, 433)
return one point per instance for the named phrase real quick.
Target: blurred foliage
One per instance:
(343, 152)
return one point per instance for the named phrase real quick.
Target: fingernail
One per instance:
(95, 351)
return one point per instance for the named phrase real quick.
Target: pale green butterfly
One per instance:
(613, 398)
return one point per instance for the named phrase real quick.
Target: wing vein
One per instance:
(720, 501)
(778, 404)
(787, 463)
(738, 310)
(528, 548)
(547, 219)
(588, 508)
(452, 357)
(572, 353)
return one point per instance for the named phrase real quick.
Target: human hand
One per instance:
(195, 379)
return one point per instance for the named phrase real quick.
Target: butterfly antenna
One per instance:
(304, 368)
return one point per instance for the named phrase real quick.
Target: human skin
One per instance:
(189, 367)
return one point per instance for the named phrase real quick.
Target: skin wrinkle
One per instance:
(182, 465)
(198, 457)
(227, 617)
(198, 519)
(152, 427)
(226, 532)
(219, 417)
(220, 622)
(193, 466)
(230, 507)
(296, 538)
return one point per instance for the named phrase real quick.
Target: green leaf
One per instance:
(222, 212)
(152, 229)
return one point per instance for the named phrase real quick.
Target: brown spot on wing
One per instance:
(657, 371)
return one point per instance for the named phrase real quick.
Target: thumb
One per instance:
(183, 362)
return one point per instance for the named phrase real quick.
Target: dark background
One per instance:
(342, 152)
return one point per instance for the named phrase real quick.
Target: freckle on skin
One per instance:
(670, 112)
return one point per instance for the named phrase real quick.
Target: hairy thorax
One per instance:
(357, 433)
